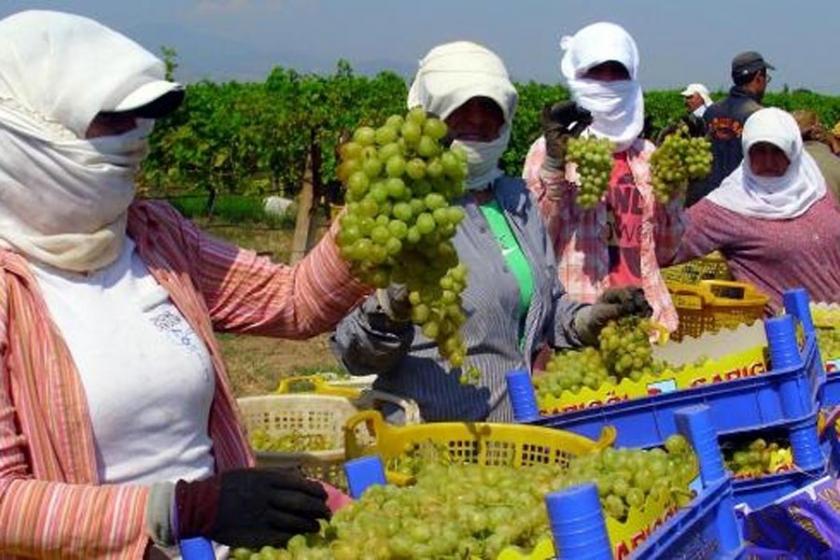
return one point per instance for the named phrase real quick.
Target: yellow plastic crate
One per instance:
(711, 267)
(481, 443)
(712, 305)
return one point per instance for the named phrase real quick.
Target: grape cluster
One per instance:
(472, 511)
(677, 161)
(626, 478)
(261, 440)
(753, 461)
(624, 351)
(594, 160)
(399, 223)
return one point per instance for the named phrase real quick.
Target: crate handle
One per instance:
(409, 406)
(606, 439)
(320, 386)
(375, 425)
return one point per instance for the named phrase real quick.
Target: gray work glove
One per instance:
(394, 303)
(613, 304)
(560, 122)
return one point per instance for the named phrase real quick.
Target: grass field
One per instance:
(255, 364)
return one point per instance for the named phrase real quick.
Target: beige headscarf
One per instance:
(63, 199)
(449, 76)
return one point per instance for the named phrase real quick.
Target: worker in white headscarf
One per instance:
(116, 414)
(622, 239)
(772, 218)
(515, 304)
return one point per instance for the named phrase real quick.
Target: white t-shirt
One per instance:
(148, 377)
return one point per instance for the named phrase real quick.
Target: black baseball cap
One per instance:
(749, 62)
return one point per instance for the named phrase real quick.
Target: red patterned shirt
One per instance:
(582, 237)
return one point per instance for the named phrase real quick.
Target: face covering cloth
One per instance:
(617, 107)
(63, 198)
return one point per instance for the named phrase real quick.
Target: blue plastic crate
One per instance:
(811, 461)
(706, 529)
(759, 492)
(695, 531)
(781, 395)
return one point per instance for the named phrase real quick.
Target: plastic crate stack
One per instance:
(786, 398)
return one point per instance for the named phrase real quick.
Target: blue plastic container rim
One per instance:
(673, 399)
(674, 529)
(743, 485)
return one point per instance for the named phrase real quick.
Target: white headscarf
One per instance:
(772, 198)
(452, 74)
(618, 109)
(63, 199)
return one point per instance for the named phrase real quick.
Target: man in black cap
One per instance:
(725, 120)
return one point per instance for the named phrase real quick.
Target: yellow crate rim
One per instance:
(391, 441)
(698, 296)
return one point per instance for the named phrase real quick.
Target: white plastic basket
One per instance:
(309, 414)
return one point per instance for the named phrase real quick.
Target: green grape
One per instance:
(593, 158)
(364, 136)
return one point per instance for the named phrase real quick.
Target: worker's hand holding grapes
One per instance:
(613, 304)
(560, 122)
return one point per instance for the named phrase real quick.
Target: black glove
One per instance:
(250, 507)
(560, 122)
(394, 303)
(613, 304)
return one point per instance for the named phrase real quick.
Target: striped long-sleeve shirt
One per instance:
(408, 364)
(581, 236)
(51, 504)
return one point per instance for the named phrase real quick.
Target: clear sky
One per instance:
(680, 41)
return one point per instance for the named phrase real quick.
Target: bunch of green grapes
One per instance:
(571, 371)
(261, 440)
(627, 477)
(452, 511)
(473, 511)
(594, 160)
(752, 461)
(677, 161)
(399, 223)
(626, 349)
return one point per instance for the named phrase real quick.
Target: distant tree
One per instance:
(170, 59)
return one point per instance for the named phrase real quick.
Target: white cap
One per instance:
(691, 89)
(147, 93)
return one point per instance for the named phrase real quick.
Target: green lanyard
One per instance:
(515, 258)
